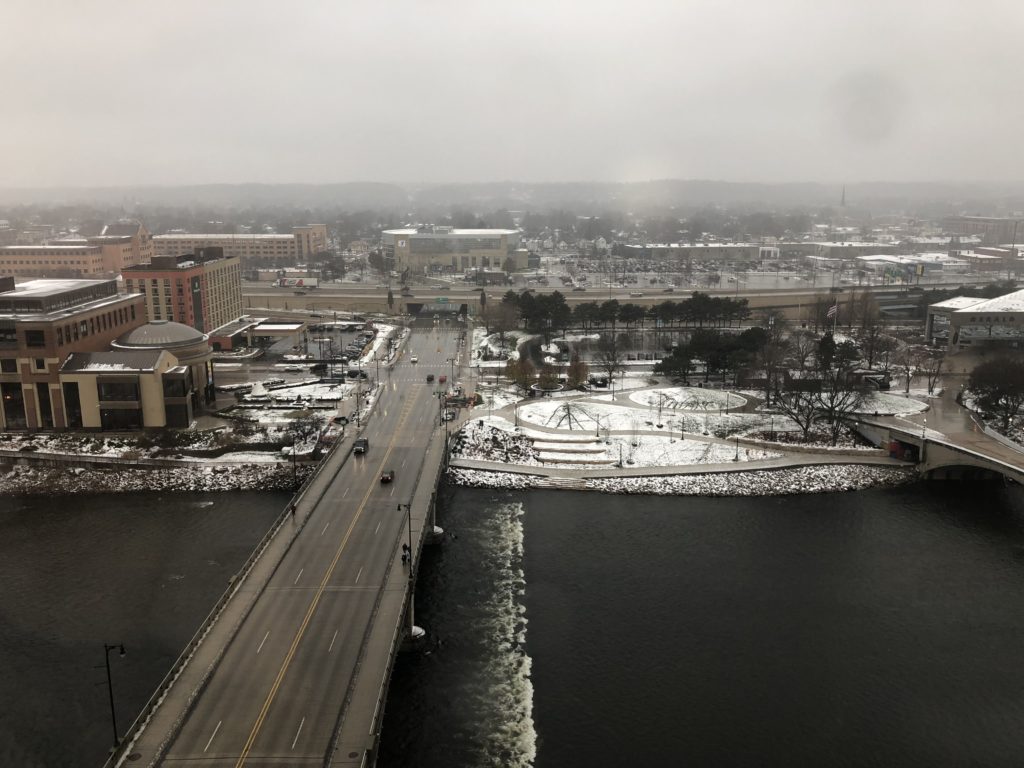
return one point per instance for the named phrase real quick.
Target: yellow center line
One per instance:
(316, 598)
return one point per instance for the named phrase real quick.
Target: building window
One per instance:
(8, 365)
(40, 364)
(118, 391)
(35, 339)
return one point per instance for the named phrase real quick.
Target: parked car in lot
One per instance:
(353, 373)
(443, 378)
(448, 416)
(414, 359)
(430, 377)
(387, 476)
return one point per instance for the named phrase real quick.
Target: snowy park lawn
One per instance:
(688, 399)
(889, 404)
(496, 439)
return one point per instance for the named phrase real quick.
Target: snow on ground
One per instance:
(688, 398)
(887, 403)
(59, 482)
(495, 398)
(780, 482)
(492, 343)
(495, 439)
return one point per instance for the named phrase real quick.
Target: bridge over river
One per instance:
(947, 441)
(293, 667)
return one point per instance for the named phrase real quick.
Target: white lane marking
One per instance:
(324, 530)
(263, 641)
(299, 576)
(212, 735)
(329, 647)
(377, 528)
(345, 493)
(301, 723)
(392, 492)
(358, 575)
(403, 462)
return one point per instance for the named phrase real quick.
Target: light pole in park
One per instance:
(110, 687)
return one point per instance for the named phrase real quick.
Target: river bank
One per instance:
(198, 479)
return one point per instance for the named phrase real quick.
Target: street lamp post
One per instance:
(110, 687)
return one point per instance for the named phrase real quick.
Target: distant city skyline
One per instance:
(113, 93)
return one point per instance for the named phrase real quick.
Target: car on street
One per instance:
(360, 445)
(443, 378)
(387, 476)
(430, 377)
(414, 359)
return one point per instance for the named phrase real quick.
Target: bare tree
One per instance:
(802, 346)
(577, 371)
(800, 406)
(904, 360)
(931, 366)
(837, 399)
(609, 354)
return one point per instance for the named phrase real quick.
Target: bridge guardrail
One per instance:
(117, 758)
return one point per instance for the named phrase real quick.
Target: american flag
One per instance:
(832, 311)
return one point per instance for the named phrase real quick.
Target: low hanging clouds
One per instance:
(114, 92)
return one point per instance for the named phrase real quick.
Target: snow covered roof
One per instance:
(1011, 302)
(958, 302)
(127, 361)
(160, 333)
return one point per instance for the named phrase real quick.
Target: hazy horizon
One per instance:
(116, 94)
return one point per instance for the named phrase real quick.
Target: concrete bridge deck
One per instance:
(295, 668)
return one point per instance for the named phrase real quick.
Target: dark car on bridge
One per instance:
(387, 476)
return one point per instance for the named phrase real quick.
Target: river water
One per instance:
(82, 571)
(882, 627)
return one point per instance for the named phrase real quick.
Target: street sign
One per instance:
(442, 299)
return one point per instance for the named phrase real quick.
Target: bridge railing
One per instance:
(118, 757)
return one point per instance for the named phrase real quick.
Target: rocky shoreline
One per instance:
(202, 478)
(829, 478)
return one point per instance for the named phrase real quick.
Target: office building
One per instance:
(43, 322)
(253, 251)
(201, 290)
(105, 254)
(433, 249)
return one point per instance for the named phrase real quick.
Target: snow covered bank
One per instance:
(58, 482)
(780, 482)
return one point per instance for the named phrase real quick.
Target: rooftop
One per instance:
(122, 360)
(959, 302)
(160, 333)
(1011, 302)
(195, 236)
(451, 232)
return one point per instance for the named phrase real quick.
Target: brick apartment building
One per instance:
(202, 290)
(254, 251)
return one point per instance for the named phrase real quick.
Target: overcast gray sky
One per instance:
(107, 92)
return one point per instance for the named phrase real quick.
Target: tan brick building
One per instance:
(253, 251)
(42, 322)
(201, 290)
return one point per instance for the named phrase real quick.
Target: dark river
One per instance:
(82, 571)
(874, 628)
(878, 628)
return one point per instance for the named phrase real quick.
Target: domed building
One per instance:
(191, 348)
